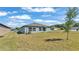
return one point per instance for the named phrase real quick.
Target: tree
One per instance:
(17, 28)
(76, 25)
(70, 15)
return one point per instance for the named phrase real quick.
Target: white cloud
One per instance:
(38, 20)
(76, 19)
(46, 15)
(15, 24)
(13, 12)
(48, 22)
(20, 17)
(3, 13)
(20, 21)
(42, 9)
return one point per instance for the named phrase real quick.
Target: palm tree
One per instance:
(70, 15)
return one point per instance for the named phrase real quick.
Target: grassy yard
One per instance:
(37, 41)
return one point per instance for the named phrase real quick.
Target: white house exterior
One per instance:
(35, 27)
(74, 28)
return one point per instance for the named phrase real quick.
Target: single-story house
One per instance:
(74, 29)
(34, 27)
(55, 28)
(4, 29)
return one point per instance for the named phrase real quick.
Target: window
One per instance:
(34, 29)
(40, 29)
(30, 28)
(44, 29)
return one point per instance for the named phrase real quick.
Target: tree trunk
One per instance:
(67, 35)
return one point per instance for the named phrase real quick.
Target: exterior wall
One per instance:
(48, 29)
(55, 29)
(4, 30)
(26, 30)
(37, 30)
(75, 30)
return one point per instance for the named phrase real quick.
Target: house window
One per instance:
(30, 28)
(34, 29)
(44, 29)
(40, 29)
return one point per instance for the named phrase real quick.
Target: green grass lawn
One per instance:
(37, 42)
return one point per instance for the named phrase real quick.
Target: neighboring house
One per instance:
(4, 29)
(34, 27)
(55, 28)
(74, 28)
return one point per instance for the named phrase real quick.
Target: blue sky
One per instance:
(19, 16)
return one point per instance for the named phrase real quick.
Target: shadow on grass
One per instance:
(54, 39)
(1, 36)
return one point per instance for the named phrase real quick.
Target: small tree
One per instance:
(70, 15)
(17, 28)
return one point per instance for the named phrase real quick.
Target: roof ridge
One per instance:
(35, 24)
(4, 25)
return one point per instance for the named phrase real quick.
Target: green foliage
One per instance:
(59, 25)
(70, 15)
(17, 28)
(62, 28)
(68, 25)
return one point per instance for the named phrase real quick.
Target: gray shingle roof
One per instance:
(35, 25)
